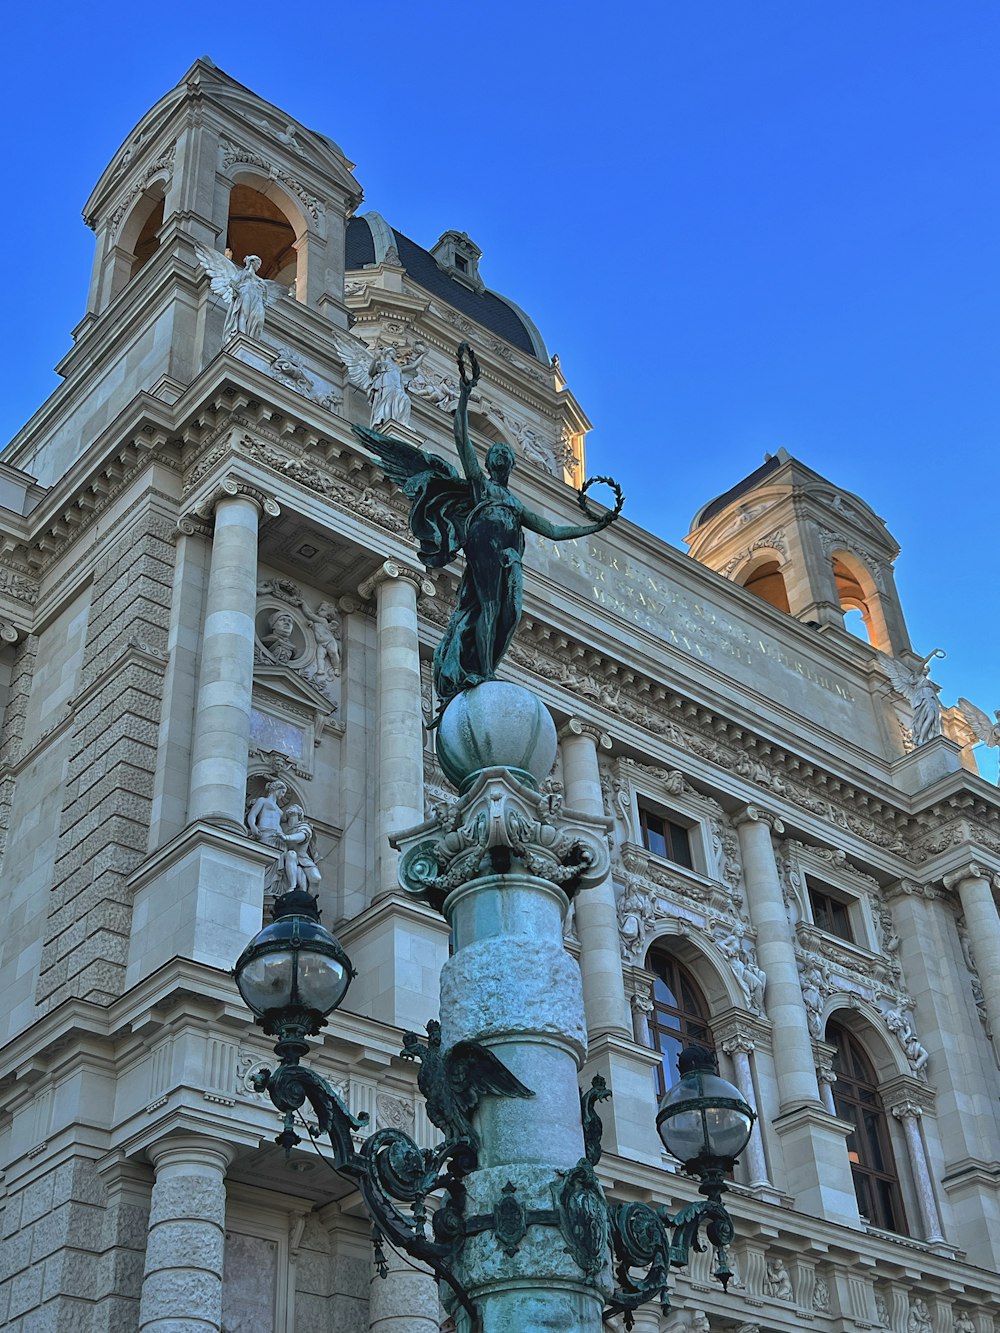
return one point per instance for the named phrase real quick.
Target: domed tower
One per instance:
(210, 165)
(807, 547)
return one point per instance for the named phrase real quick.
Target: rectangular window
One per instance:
(665, 837)
(831, 913)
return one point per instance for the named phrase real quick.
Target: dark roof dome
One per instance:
(369, 238)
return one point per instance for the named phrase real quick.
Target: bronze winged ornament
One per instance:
(478, 515)
(453, 1080)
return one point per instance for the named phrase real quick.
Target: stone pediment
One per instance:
(292, 688)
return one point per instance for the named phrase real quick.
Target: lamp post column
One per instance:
(222, 713)
(182, 1283)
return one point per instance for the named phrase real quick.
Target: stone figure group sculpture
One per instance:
(747, 971)
(900, 1026)
(777, 1283)
(479, 515)
(915, 686)
(245, 293)
(919, 1320)
(288, 831)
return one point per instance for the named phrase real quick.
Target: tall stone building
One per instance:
(211, 607)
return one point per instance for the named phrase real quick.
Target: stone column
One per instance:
(182, 1282)
(908, 1114)
(974, 884)
(815, 1168)
(740, 1048)
(400, 726)
(596, 913)
(793, 1053)
(406, 1300)
(222, 712)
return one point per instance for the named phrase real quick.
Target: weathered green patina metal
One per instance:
(479, 515)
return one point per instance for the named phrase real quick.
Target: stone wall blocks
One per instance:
(313, 1315)
(37, 1198)
(126, 1227)
(10, 1219)
(111, 916)
(78, 1180)
(115, 1314)
(15, 1254)
(312, 1273)
(25, 1291)
(100, 982)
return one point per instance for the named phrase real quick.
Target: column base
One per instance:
(817, 1170)
(629, 1117)
(398, 948)
(201, 897)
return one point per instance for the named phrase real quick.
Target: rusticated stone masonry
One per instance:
(106, 816)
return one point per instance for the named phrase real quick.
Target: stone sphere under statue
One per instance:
(496, 725)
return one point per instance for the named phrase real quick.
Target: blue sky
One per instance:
(741, 225)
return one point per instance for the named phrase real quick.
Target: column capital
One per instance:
(390, 571)
(907, 1109)
(231, 488)
(187, 1153)
(739, 1042)
(909, 888)
(971, 870)
(756, 814)
(579, 726)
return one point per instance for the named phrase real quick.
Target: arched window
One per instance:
(257, 226)
(767, 582)
(679, 1017)
(856, 1098)
(148, 240)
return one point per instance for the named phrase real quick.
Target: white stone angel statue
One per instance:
(915, 686)
(245, 294)
(380, 377)
(986, 731)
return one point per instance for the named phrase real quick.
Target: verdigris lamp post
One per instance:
(522, 1235)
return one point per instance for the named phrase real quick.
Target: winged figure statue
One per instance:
(453, 1080)
(480, 516)
(986, 731)
(915, 686)
(381, 378)
(245, 294)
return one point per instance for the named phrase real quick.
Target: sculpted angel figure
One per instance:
(381, 378)
(246, 295)
(986, 731)
(479, 515)
(916, 687)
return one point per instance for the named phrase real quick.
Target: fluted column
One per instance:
(399, 726)
(974, 884)
(182, 1282)
(740, 1048)
(596, 913)
(908, 1114)
(793, 1053)
(222, 712)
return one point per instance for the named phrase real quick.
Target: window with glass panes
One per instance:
(665, 837)
(830, 913)
(856, 1098)
(679, 1017)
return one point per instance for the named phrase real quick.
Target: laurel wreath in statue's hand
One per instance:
(612, 514)
(468, 366)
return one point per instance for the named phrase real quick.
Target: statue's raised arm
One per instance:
(480, 516)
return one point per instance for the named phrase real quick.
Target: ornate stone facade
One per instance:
(218, 591)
